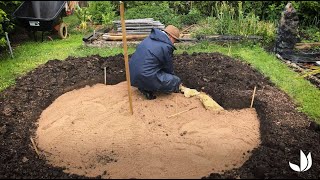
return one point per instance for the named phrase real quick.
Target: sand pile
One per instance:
(91, 132)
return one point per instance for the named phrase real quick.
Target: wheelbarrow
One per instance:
(42, 16)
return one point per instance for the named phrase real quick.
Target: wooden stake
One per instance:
(181, 112)
(105, 75)
(306, 45)
(34, 146)
(254, 92)
(125, 52)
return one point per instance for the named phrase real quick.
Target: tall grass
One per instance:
(227, 21)
(225, 15)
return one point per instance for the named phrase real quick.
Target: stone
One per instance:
(287, 30)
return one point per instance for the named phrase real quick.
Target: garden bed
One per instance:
(284, 130)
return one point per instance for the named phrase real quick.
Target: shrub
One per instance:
(102, 12)
(192, 17)
(3, 18)
(83, 15)
(310, 34)
(6, 23)
(308, 12)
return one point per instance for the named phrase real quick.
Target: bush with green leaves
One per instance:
(160, 12)
(6, 22)
(3, 18)
(310, 34)
(102, 12)
(308, 11)
(84, 16)
(192, 17)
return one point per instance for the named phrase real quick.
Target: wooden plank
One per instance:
(133, 30)
(120, 34)
(306, 45)
(189, 39)
(138, 33)
(141, 27)
(228, 37)
(119, 38)
(135, 20)
(141, 23)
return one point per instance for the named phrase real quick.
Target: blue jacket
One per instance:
(151, 66)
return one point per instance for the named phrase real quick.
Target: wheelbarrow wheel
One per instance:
(63, 31)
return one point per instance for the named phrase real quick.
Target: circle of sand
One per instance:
(91, 132)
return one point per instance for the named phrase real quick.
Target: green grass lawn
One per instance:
(31, 54)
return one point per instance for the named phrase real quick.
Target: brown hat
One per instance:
(173, 31)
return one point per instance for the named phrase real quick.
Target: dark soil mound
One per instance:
(284, 130)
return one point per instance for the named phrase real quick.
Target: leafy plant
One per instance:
(181, 7)
(310, 34)
(192, 17)
(308, 12)
(3, 18)
(274, 12)
(6, 23)
(102, 12)
(83, 15)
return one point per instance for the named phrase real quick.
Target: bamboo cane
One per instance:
(125, 52)
(105, 75)
(254, 92)
(176, 114)
(34, 146)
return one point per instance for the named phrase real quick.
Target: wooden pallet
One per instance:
(139, 26)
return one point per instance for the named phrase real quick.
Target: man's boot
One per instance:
(148, 94)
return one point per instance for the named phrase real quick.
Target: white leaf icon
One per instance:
(303, 161)
(294, 167)
(309, 162)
